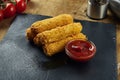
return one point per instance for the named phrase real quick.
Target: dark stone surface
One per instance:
(22, 60)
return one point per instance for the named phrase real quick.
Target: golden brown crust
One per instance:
(29, 34)
(54, 33)
(58, 33)
(53, 48)
(47, 24)
(51, 23)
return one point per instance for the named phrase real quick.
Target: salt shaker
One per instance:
(97, 9)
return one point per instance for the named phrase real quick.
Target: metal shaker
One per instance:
(97, 9)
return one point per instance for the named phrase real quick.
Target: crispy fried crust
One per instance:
(56, 47)
(29, 34)
(58, 33)
(47, 24)
(53, 33)
(51, 23)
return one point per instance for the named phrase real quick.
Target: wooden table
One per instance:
(77, 8)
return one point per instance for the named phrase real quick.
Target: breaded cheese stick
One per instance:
(29, 34)
(58, 33)
(51, 23)
(56, 47)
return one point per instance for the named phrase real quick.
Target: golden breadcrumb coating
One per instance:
(51, 23)
(56, 47)
(29, 34)
(58, 33)
(53, 33)
(47, 24)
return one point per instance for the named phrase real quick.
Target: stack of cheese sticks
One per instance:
(53, 33)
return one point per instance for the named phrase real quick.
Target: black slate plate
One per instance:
(22, 60)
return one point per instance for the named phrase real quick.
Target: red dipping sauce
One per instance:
(80, 50)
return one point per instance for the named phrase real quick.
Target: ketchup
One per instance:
(80, 50)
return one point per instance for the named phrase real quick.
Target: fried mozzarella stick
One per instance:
(29, 34)
(56, 47)
(58, 33)
(47, 24)
(51, 23)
